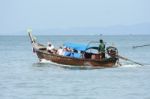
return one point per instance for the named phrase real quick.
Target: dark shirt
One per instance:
(101, 47)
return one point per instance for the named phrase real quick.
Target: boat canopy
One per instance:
(76, 46)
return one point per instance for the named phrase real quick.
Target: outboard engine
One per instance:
(112, 51)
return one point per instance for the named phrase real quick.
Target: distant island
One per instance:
(137, 29)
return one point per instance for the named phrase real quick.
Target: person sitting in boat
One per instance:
(60, 51)
(50, 48)
(101, 49)
(67, 51)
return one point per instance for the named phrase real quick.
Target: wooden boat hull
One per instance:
(108, 62)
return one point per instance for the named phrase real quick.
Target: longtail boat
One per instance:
(86, 58)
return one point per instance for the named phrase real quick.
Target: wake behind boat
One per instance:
(78, 56)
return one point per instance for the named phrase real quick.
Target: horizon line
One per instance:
(73, 34)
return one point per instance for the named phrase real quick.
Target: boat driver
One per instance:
(101, 49)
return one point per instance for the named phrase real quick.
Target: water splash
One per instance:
(127, 65)
(45, 61)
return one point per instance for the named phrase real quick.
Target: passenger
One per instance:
(66, 51)
(69, 49)
(64, 48)
(50, 48)
(60, 51)
(101, 49)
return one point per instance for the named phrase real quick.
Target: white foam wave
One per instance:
(129, 65)
(44, 61)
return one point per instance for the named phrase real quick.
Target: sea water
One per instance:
(22, 76)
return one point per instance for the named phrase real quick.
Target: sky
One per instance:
(18, 15)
